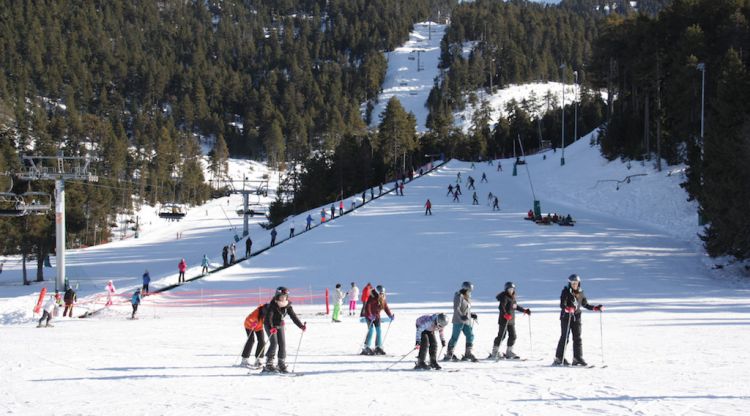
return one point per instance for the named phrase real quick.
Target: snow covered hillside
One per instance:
(661, 341)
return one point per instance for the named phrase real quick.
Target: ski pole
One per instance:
(386, 333)
(567, 335)
(531, 344)
(304, 324)
(401, 359)
(601, 334)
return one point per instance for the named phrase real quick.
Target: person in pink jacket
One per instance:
(110, 291)
(181, 267)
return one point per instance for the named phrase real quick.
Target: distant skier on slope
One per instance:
(276, 311)
(353, 295)
(248, 247)
(309, 221)
(484, 178)
(572, 299)
(471, 183)
(463, 320)
(254, 330)
(507, 321)
(204, 265)
(273, 236)
(135, 300)
(181, 267)
(426, 327)
(428, 207)
(474, 199)
(225, 255)
(455, 196)
(450, 189)
(457, 189)
(110, 290)
(146, 280)
(375, 304)
(496, 204)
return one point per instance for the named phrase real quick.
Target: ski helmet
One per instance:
(338, 285)
(281, 291)
(380, 289)
(574, 278)
(467, 286)
(510, 285)
(441, 320)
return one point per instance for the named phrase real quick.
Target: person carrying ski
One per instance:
(338, 298)
(426, 327)
(110, 289)
(254, 330)
(204, 265)
(309, 221)
(147, 281)
(273, 236)
(507, 321)
(248, 247)
(463, 320)
(181, 267)
(70, 298)
(225, 255)
(48, 311)
(572, 299)
(275, 312)
(496, 204)
(135, 300)
(353, 295)
(375, 304)
(428, 207)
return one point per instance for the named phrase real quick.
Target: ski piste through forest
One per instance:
(672, 328)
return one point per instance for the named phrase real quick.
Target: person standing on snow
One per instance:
(248, 247)
(70, 298)
(232, 253)
(428, 207)
(135, 300)
(471, 183)
(484, 178)
(426, 327)
(254, 329)
(341, 207)
(401, 188)
(204, 265)
(572, 299)
(450, 189)
(275, 312)
(322, 215)
(507, 321)
(353, 295)
(489, 198)
(48, 311)
(463, 320)
(146, 281)
(273, 236)
(333, 211)
(309, 221)
(375, 304)
(496, 204)
(110, 289)
(474, 201)
(455, 196)
(457, 189)
(338, 298)
(225, 255)
(181, 267)
(291, 228)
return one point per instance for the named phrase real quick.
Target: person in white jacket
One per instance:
(353, 296)
(49, 309)
(338, 298)
(110, 291)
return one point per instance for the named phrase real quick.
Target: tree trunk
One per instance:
(658, 115)
(23, 268)
(40, 264)
(646, 138)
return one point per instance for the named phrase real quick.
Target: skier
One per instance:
(450, 189)
(458, 189)
(572, 299)
(380, 189)
(471, 183)
(364, 196)
(426, 326)
(275, 312)
(353, 295)
(458, 177)
(365, 296)
(291, 229)
(135, 300)
(70, 298)
(273, 236)
(499, 166)
(401, 188)
(181, 267)
(428, 207)
(484, 178)
(333, 211)
(232, 253)
(48, 311)
(462, 322)
(341, 207)
(254, 329)
(489, 198)
(204, 265)
(248, 247)
(474, 200)
(455, 196)
(338, 297)
(507, 321)
(146, 280)
(322, 215)
(110, 291)
(309, 220)
(372, 193)
(375, 304)
(225, 255)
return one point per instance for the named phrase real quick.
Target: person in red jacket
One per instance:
(375, 304)
(428, 207)
(253, 330)
(182, 266)
(365, 297)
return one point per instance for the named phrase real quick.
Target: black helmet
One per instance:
(441, 320)
(574, 278)
(510, 285)
(380, 289)
(338, 285)
(281, 290)
(467, 286)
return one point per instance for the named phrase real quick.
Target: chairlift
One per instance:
(11, 205)
(37, 202)
(172, 211)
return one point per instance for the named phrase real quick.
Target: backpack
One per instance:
(254, 321)
(69, 295)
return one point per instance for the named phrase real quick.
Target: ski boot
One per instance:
(367, 351)
(421, 365)
(434, 364)
(449, 355)
(49, 326)
(510, 355)
(468, 356)
(379, 351)
(559, 361)
(258, 363)
(39, 326)
(245, 363)
(494, 355)
(282, 367)
(269, 367)
(579, 361)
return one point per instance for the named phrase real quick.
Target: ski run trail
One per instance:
(675, 332)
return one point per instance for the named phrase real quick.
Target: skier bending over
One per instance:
(426, 326)
(571, 300)
(254, 329)
(462, 322)
(276, 310)
(507, 321)
(375, 304)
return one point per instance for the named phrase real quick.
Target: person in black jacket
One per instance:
(507, 321)
(273, 322)
(572, 299)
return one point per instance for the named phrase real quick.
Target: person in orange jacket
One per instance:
(253, 330)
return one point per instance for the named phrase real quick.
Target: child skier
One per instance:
(275, 312)
(426, 326)
(204, 265)
(70, 298)
(309, 221)
(353, 295)
(463, 320)
(110, 291)
(375, 304)
(254, 329)
(428, 207)
(338, 297)
(181, 267)
(48, 311)
(507, 321)
(135, 300)
(571, 300)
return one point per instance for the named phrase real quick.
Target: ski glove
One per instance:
(570, 309)
(473, 316)
(393, 316)
(442, 342)
(371, 318)
(273, 331)
(599, 308)
(527, 311)
(507, 317)
(464, 318)
(303, 328)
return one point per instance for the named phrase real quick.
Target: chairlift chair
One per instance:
(37, 202)
(11, 205)
(172, 211)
